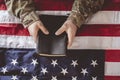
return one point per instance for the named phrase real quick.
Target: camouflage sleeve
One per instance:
(23, 9)
(82, 9)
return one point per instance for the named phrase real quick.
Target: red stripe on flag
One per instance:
(99, 30)
(67, 4)
(54, 4)
(2, 7)
(112, 77)
(59, 5)
(85, 30)
(13, 29)
(112, 55)
(111, 5)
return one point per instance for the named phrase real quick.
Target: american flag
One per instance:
(94, 55)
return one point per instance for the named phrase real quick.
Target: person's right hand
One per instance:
(35, 27)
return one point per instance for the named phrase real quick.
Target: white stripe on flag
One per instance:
(102, 17)
(95, 42)
(112, 69)
(5, 17)
(61, 13)
(9, 41)
(87, 42)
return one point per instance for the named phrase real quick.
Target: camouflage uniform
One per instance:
(81, 10)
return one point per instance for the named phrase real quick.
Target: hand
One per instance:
(70, 29)
(35, 27)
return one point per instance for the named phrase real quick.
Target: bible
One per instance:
(52, 44)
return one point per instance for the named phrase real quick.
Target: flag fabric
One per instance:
(94, 55)
(25, 64)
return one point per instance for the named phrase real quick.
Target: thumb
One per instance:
(43, 29)
(60, 30)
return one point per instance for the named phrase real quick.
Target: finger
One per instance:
(35, 38)
(60, 30)
(71, 36)
(33, 31)
(34, 35)
(43, 29)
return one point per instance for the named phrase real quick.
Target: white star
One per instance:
(54, 63)
(94, 78)
(34, 62)
(74, 63)
(14, 78)
(84, 71)
(74, 78)
(54, 78)
(64, 71)
(14, 62)
(44, 70)
(34, 78)
(4, 70)
(24, 70)
(94, 63)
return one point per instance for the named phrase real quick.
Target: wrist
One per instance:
(76, 19)
(29, 19)
(72, 22)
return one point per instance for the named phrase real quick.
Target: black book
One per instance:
(52, 44)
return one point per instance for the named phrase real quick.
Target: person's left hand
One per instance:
(70, 29)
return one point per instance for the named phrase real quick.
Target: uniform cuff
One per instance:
(29, 19)
(76, 18)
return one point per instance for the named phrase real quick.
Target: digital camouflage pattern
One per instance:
(23, 9)
(81, 10)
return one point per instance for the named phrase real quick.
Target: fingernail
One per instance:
(56, 33)
(46, 32)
